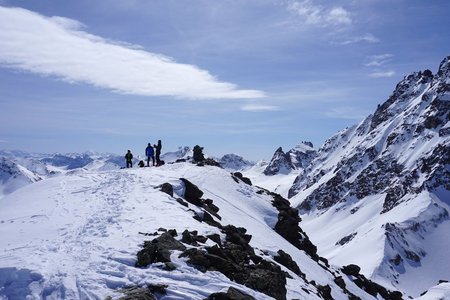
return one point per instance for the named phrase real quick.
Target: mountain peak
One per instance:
(444, 67)
(392, 171)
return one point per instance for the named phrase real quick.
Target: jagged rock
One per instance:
(340, 282)
(287, 261)
(198, 154)
(167, 188)
(231, 294)
(346, 239)
(209, 206)
(192, 238)
(192, 193)
(182, 202)
(209, 162)
(136, 293)
(158, 250)
(215, 238)
(208, 219)
(325, 292)
(241, 177)
(351, 270)
(288, 226)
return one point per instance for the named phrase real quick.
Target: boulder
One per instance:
(158, 250)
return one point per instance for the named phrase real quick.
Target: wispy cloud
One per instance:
(380, 65)
(368, 38)
(319, 15)
(381, 74)
(59, 47)
(259, 108)
(378, 60)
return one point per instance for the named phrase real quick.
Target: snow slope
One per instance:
(76, 236)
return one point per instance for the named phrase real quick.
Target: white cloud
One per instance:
(339, 15)
(378, 60)
(368, 38)
(318, 15)
(259, 108)
(57, 47)
(380, 74)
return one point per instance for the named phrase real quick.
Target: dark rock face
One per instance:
(158, 250)
(198, 153)
(231, 294)
(192, 193)
(167, 188)
(346, 239)
(286, 260)
(242, 178)
(369, 286)
(288, 225)
(351, 270)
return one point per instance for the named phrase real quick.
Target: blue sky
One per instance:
(233, 76)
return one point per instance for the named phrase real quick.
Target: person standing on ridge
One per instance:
(129, 159)
(150, 153)
(158, 152)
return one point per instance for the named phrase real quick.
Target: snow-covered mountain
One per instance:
(179, 231)
(14, 176)
(378, 194)
(297, 158)
(235, 162)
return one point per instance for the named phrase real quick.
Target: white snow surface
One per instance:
(76, 236)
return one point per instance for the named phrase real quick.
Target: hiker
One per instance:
(141, 164)
(150, 153)
(128, 158)
(158, 152)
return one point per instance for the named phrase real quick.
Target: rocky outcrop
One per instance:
(238, 176)
(158, 250)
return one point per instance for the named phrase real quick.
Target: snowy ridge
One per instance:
(383, 186)
(76, 236)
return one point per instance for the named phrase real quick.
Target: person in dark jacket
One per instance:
(158, 152)
(150, 153)
(129, 159)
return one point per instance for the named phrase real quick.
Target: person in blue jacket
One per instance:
(150, 153)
